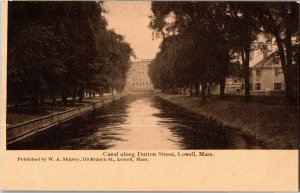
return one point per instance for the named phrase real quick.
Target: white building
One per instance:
(266, 75)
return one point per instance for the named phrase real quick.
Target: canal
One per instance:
(139, 121)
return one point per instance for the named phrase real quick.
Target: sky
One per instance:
(131, 19)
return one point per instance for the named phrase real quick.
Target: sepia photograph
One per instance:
(152, 75)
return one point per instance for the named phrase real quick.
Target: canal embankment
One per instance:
(274, 125)
(27, 128)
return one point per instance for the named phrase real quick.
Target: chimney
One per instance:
(265, 51)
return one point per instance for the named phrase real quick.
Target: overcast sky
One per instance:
(131, 19)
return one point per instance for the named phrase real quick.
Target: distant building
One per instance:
(266, 73)
(137, 77)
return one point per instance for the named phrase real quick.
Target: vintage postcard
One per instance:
(149, 95)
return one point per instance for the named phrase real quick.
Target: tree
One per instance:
(56, 47)
(117, 55)
(244, 26)
(206, 43)
(33, 69)
(282, 21)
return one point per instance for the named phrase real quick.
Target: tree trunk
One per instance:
(42, 99)
(74, 95)
(224, 73)
(53, 97)
(196, 89)
(203, 91)
(245, 58)
(32, 100)
(285, 60)
(191, 90)
(222, 88)
(286, 71)
(35, 100)
(90, 93)
(81, 95)
(208, 90)
(288, 79)
(73, 98)
(16, 103)
(64, 97)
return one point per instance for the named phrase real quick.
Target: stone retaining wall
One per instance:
(17, 132)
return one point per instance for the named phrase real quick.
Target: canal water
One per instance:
(139, 121)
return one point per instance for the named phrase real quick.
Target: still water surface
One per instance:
(139, 122)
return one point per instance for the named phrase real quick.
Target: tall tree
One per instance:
(208, 45)
(244, 25)
(282, 21)
(55, 47)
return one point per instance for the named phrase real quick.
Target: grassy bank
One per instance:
(275, 125)
(24, 113)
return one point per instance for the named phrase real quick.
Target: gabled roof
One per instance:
(257, 57)
(268, 62)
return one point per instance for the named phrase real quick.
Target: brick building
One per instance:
(137, 77)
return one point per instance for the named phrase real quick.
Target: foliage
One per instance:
(62, 48)
(282, 21)
(201, 52)
(202, 35)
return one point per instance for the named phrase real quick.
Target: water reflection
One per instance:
(139, 122)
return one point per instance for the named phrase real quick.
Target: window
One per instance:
(133, 84)
(251, 86)
(258, 72)
(258, 86)
(243, 86)
(277, 86)
(277, 72)
(276, 58)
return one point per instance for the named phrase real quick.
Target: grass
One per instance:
(275, 125)
(24, 113)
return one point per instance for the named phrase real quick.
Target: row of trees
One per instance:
(199, 38)
(62, 49)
